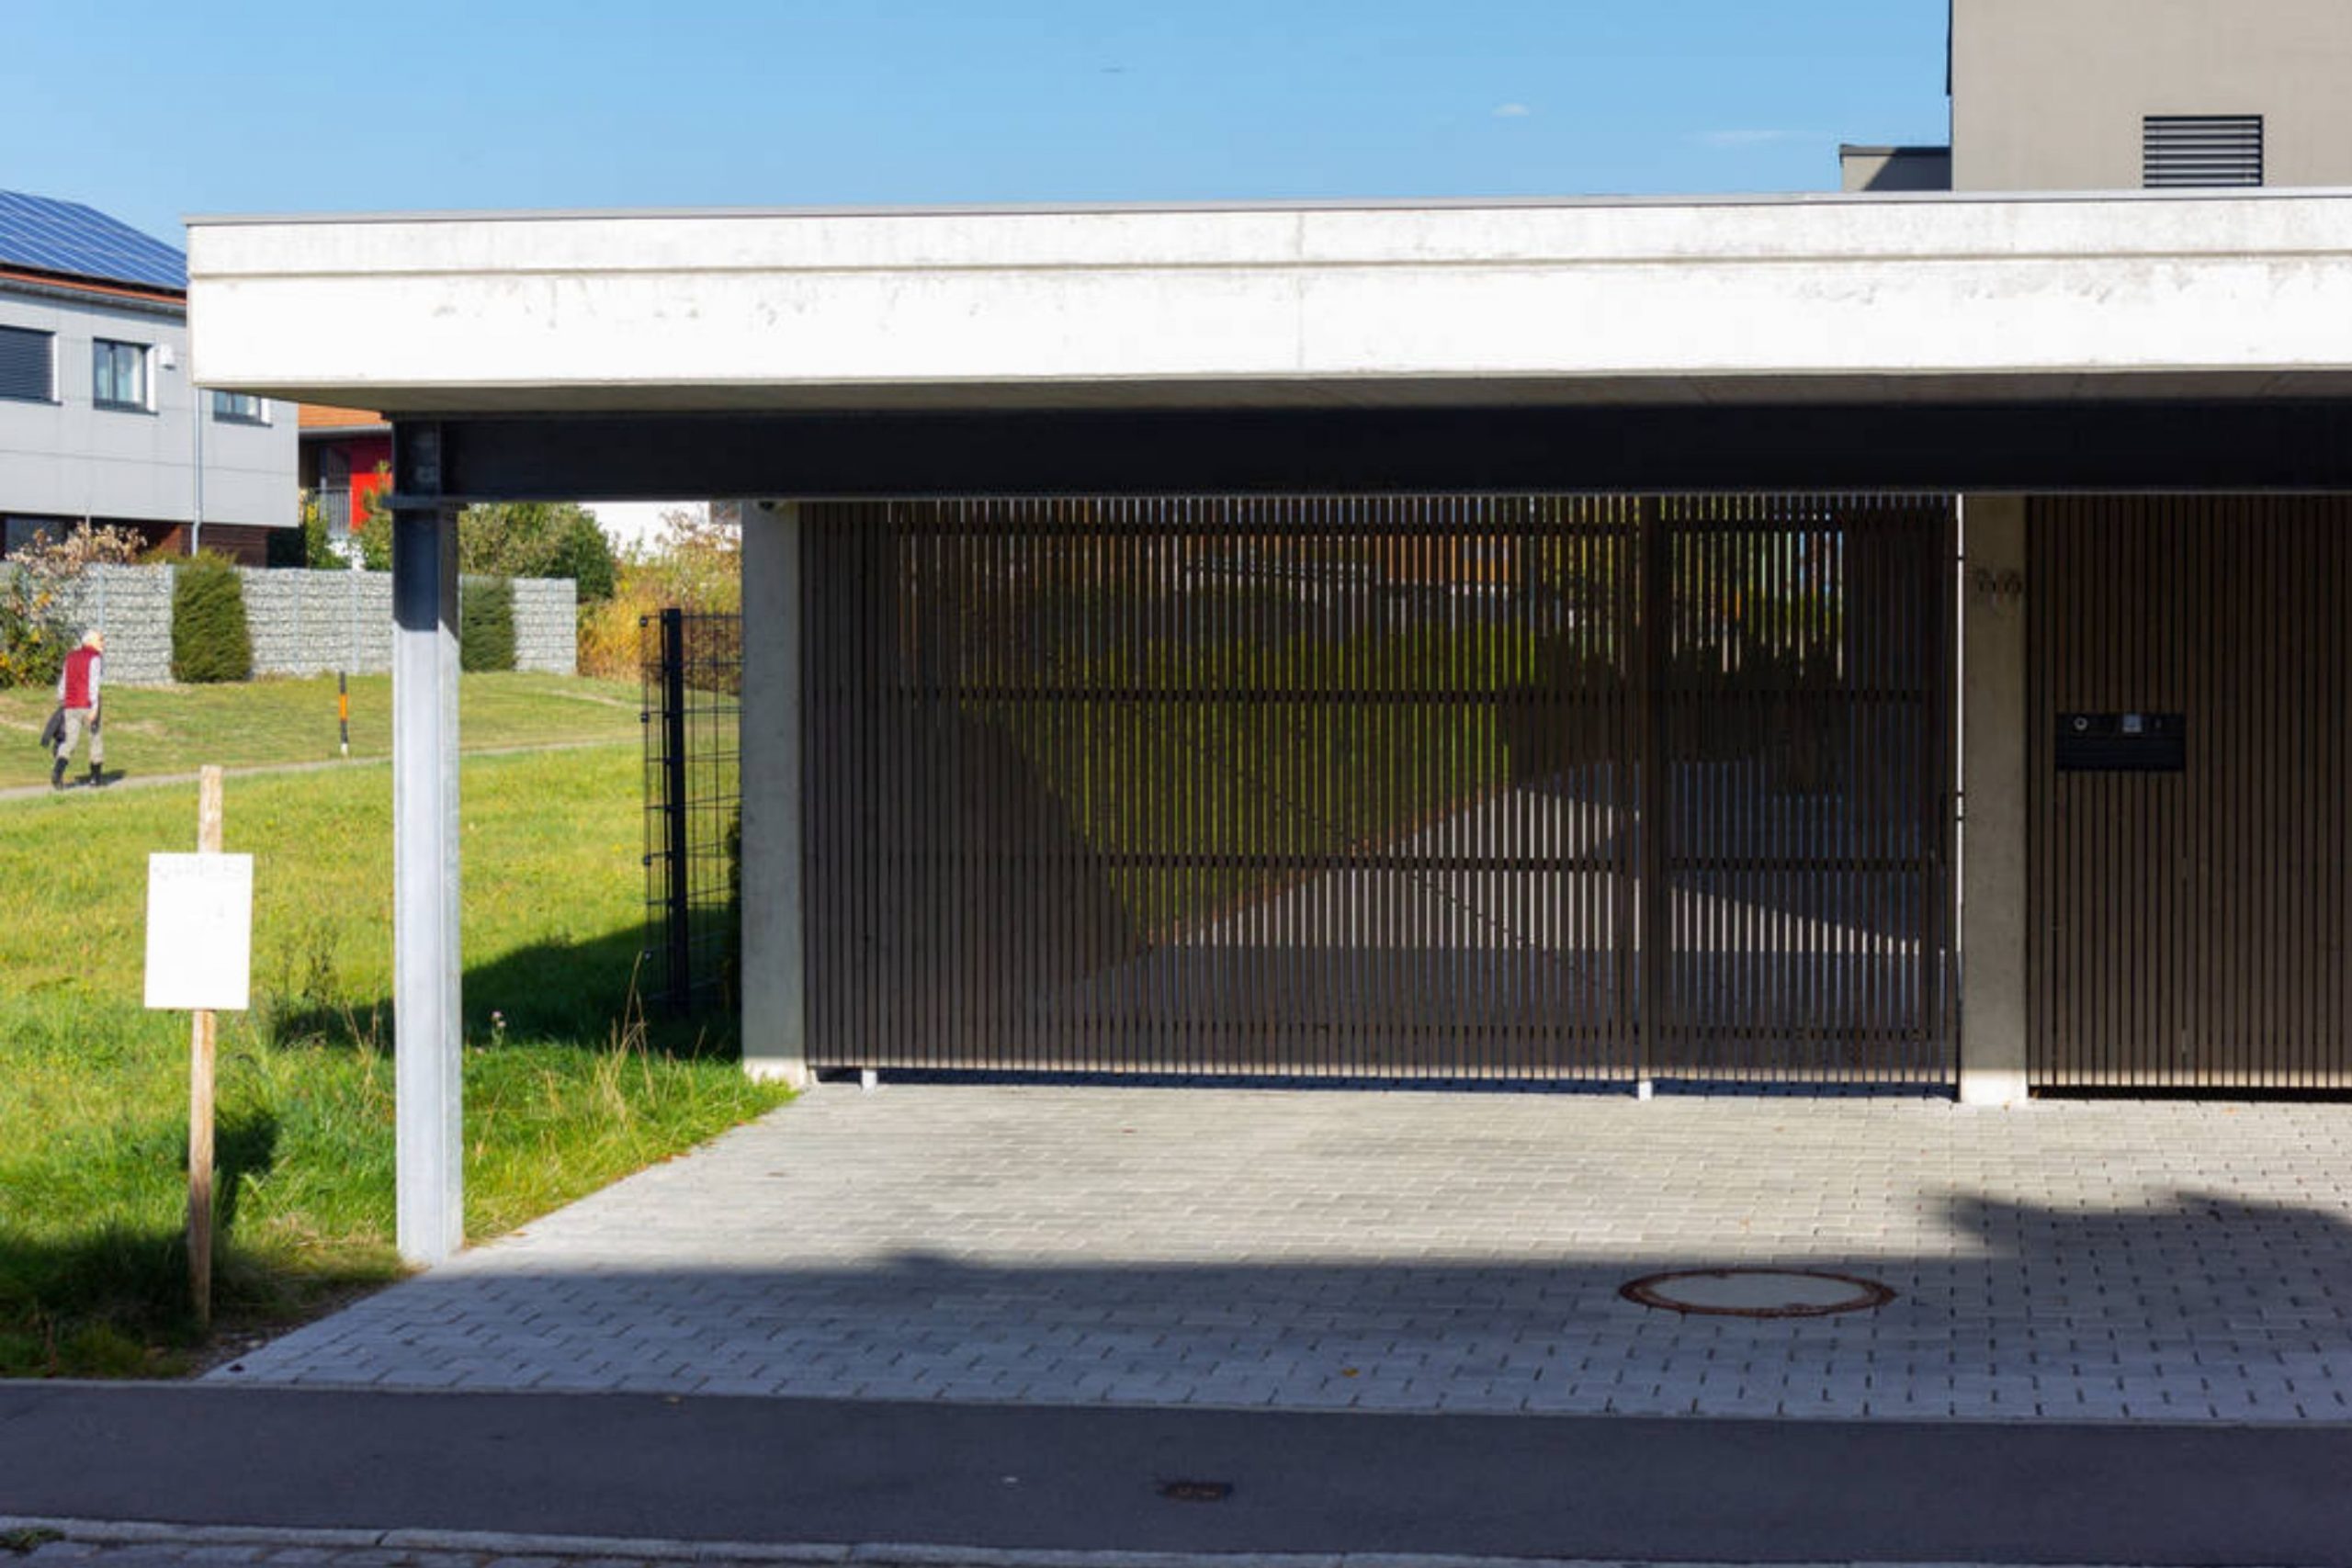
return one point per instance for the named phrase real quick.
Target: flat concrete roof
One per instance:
(1320, 204)
(1827, 298)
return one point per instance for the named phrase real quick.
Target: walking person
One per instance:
(77, 694)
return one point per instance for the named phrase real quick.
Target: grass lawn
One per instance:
(560, 1096)
(175, 729)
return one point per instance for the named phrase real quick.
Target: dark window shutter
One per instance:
(2183, 150)
(26, 361)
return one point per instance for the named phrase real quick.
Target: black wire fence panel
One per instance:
(1533, 787)
(693, 679)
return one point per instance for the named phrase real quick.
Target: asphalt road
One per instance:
(862, 1473)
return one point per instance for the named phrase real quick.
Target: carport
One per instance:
(994, 379)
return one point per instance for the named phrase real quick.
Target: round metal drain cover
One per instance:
(1758, 1292)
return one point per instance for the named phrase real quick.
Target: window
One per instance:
(20, 533)
(239, 408)
(2184, 151)
(27, 365)
(118, 375)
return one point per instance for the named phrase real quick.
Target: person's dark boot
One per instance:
(96, 781)
(56, 774)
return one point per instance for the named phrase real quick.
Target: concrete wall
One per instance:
(2049, 95)
(303, 622)
(69, 458)
(1993, 927)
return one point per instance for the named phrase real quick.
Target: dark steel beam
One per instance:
(2302, 445)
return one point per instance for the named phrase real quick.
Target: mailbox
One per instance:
(2122, 742)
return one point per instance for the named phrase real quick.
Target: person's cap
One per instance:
(94, 639)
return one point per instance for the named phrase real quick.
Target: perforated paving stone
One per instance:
(1421, 1251)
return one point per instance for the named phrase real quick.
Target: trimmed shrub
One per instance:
(531, 538)
(210, 640)
(485, 624)
(583, 554)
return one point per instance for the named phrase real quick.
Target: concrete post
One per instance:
(775, 1025)
(1992, 782)
(427, 1040)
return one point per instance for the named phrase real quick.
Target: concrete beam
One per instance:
(428, 1042)
(1993, 674)
(776, 1038)
(1855, 299)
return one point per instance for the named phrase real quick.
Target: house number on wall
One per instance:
(2000, 584)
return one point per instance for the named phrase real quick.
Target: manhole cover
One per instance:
(1758, 1292)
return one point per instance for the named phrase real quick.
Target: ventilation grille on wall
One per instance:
(2178, 151)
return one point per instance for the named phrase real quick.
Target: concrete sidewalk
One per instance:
(873, 1481)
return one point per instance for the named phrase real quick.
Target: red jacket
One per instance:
(78, 687)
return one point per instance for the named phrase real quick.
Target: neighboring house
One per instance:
(2118, 95)
(345, 456)
(98, 413)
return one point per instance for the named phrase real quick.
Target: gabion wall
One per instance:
(304, 622)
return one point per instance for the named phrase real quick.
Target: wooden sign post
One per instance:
(199, 1089)
(199, 957)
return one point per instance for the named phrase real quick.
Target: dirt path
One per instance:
(156, 781)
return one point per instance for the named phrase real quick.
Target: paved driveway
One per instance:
(1419, 1251)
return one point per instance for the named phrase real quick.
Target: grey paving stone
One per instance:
(1078, 1245)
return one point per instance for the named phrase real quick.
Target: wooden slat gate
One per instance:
(2189, 903)
(1377, 787)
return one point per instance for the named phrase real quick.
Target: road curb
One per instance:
(880, 1554)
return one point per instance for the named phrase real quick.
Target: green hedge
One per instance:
(211, 641)
(486, 623)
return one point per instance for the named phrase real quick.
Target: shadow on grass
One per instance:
(115, 1302)
(577, 993)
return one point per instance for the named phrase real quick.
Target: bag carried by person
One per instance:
(54, 731)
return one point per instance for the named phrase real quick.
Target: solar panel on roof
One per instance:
(47, 235)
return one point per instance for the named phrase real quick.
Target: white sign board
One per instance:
(199, 931)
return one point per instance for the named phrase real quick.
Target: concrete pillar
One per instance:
(1993, 784)
(427, 1037)
(776, 1019)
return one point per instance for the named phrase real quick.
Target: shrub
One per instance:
(210, 640)
(584, 552)
(373, 529)
(36, 588)
(33, 636)
(695, 565)
(311, 545)
(485, 624)
(531, 538)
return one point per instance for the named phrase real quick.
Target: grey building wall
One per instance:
(67, 457)
(302, 622)
(1894, 168)
(2050, 95)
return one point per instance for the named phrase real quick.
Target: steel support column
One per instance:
(427, 1024)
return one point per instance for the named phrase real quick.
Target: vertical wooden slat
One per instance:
(2189, 927)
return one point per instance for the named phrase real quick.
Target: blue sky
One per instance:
(153, 111)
